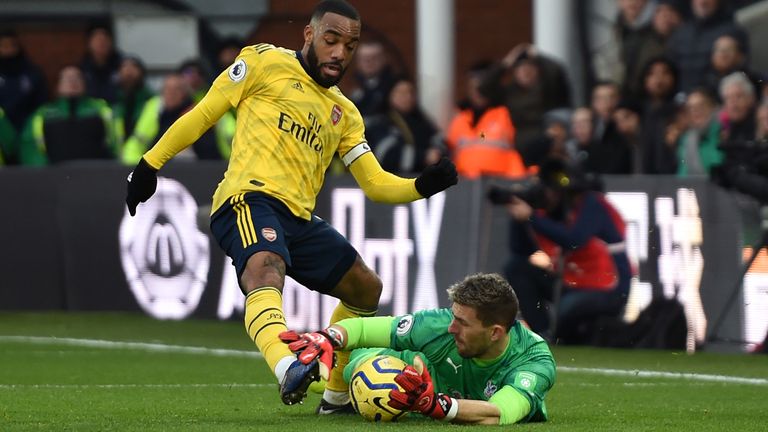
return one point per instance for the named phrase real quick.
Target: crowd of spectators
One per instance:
(102, 107)
(671, 88)
(683, 89)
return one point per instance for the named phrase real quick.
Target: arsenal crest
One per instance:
(335, 114)
(269, 234)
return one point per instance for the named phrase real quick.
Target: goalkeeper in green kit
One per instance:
(472, 363)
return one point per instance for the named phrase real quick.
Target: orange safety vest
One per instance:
(486, 148)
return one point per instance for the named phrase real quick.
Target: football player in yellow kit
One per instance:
(291, 120)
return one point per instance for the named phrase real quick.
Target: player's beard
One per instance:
(467, 350)
(463, 350)
(314, 66)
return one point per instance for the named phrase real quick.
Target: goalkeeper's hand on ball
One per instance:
(419, 394)
(316, 345)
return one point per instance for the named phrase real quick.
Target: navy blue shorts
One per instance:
(315, 254)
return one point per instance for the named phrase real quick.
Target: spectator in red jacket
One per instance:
(569, 253)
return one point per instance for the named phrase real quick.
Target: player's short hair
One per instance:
(339, 7)
(491, 295)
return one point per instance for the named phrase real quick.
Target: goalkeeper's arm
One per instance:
(506, 406)
(418, 393)
(365, 332)
(188, 128)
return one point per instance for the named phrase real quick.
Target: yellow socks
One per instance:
(336, 382)
(264, 320)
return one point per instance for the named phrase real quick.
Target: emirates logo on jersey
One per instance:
(336, 114)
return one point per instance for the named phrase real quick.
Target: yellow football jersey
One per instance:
(288, 128)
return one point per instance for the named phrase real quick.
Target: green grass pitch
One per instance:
(125, 372)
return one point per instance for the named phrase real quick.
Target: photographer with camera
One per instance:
(567, 253)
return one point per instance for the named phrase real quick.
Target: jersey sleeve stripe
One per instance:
(262, 47)
(355, 153)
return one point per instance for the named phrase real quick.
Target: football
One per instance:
(370, 385)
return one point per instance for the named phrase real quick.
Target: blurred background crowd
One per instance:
(603, 87)
(668, 90)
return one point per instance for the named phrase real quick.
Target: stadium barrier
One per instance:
(69, 244)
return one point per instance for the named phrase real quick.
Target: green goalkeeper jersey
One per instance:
(526, 365)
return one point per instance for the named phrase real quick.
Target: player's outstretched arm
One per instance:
(142, 181)
(506, 407)
(382, 186)
(188, 128)
(477, 412)
(347, 334)
(317, 345)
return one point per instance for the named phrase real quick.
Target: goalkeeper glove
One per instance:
(142, 183)
(437, 178)
(419, 395)
(316, 345)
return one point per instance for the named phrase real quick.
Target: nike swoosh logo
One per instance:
(322, 410)
(257, 183)
(382, 405)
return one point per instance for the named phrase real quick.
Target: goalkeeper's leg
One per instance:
(359, 292)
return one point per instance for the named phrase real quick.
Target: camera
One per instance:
(532, 193)
(555, 174)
